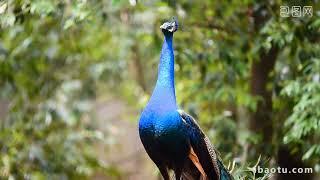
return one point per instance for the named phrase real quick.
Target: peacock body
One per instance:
(171, 137)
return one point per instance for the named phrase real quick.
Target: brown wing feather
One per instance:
(194, 158)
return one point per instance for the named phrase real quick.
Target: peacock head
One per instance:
(170, 27)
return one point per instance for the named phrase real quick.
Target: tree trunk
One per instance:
(261, 119)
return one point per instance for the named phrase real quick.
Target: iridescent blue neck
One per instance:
(163, 95)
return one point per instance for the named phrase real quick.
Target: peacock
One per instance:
(171, 137)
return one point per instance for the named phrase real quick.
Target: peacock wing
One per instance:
(203, 149)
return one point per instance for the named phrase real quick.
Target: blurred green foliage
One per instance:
(56, 57)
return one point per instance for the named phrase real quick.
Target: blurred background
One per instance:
(74, 76)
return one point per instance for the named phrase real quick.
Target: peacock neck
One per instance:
(163, 95)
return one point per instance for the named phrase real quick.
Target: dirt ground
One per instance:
(125, 150)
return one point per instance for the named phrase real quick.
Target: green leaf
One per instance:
(69, 23)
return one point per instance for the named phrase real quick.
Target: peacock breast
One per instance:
(168, 125)
(163, 127)
(164, 135)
